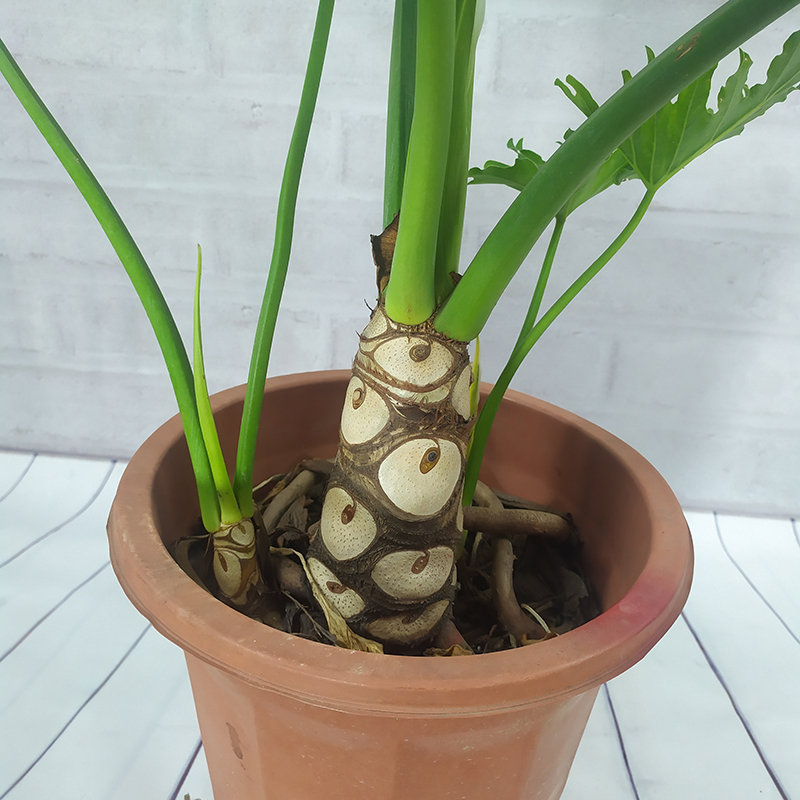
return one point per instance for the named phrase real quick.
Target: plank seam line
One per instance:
(52, 610)
(750, 582)
(19, 480)
(185, 773)
(621, 742)
(72, 719)
(739, 713)
(66, 521)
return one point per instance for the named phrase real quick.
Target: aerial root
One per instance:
(278, 506)
(509, 522)
(519, 624)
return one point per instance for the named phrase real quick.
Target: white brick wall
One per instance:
(687, 347)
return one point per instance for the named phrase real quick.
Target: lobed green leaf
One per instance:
(686, 128)
(516, 175)
(612, 172)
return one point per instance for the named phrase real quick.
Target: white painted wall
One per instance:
(688, 347)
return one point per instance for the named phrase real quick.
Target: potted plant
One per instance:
(383, 563)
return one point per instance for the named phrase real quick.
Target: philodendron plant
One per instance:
(382, 565)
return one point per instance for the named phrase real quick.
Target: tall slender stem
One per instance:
(400, 106)
(489, 410)
(454, 195)
(410, 297)
(284, 227)
(544, 277)
(153, 302)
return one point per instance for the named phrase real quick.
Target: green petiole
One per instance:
(466, 311)
(454, 194)
(228, 509)
(544, 276)
(400, 106)
(526, 342)
(287, 202)
(410, 295)
(141, 277)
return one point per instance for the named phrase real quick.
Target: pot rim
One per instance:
(399, 685)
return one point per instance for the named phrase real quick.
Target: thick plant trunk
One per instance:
(385, 551)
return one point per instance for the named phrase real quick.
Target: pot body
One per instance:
(287, 719)
(266, 745)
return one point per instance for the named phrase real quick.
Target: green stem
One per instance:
(284, 226)
(141, 277)
(410, 296)
(454, 195)
(400, 107)
(230, 513)
(489, 410)
(544, 276)
(465, 313)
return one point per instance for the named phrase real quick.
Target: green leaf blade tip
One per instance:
(279, 263)
(229, 512)
(142, 279)
(685, 128)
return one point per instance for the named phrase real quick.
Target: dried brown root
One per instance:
(514, 501)
(486, 498)
(513, 618)
(504, 588)
(291, 578)
(507, 522)
(297, 488)
(322, 466)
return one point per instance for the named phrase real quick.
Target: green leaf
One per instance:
(612, 172)
(579, 95)
(783, 77)
(516, 175)
(463, 315)
(685, 128)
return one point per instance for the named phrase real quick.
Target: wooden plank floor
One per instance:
(95, 705)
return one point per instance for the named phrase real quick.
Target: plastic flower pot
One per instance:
(284, 718)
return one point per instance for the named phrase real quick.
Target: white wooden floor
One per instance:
(95, 705)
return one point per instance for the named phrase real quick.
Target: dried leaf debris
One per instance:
(519, 574)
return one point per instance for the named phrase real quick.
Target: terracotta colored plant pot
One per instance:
(289, 719)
